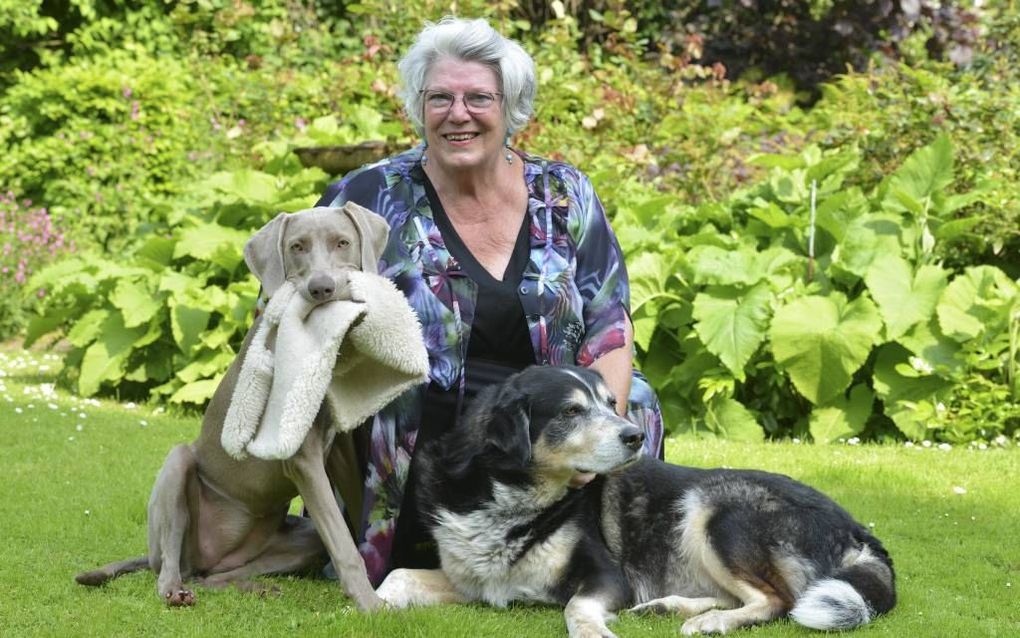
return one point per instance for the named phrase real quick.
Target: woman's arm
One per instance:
(615, 368)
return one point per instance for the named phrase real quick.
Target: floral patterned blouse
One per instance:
(574, 294)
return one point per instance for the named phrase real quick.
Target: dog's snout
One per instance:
(321, 287)
(632, 437)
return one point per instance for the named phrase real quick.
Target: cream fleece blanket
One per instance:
(359, 355)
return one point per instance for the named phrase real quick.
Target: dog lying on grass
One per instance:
(540, 494)
(225, 520)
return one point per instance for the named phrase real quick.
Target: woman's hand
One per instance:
(616, 368)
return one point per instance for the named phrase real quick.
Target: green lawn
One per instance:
(77, 477)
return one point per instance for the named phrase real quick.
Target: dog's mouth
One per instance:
(581, 478)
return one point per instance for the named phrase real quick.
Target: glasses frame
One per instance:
(496, 95)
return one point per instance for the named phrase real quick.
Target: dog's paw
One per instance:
(180, 598)
(710, 622)
(398, 590)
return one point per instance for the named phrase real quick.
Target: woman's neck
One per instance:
(496, 179)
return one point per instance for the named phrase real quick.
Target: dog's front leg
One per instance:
(586, 617)
(308, 472)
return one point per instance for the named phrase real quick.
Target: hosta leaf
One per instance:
(927, 171)
(904, 298)
(822, 341)
(187, 325)
(732, 323)
(866, 238)
(842, 417)
(892, 386)
(204, 241)
(647, 273)
(87, 328)
(196, 392)
(730, 420)
(156, 253)
(135, 301)
(206, 365)
(977, 301)
(723, 267)
(926, 341)
(105, 359)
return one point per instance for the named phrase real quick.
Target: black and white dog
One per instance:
(541, 494)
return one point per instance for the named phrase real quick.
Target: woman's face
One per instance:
(465, 133)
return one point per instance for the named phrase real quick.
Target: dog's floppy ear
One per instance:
(264, 254)
(509, 425)
(373, 231)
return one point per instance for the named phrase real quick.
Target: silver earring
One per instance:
(424, 157)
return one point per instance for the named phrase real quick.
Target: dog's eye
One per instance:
(297, 247)
(343, 243)
(573, 410)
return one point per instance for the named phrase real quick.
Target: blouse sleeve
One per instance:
(601, 277)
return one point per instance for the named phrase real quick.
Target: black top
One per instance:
(499, 346)
(499, 332)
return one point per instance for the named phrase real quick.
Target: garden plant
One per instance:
(819, 203)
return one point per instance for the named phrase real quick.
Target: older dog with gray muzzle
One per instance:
(540, 494)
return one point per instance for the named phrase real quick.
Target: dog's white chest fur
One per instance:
(484, 563)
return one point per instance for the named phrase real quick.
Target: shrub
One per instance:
(29, 239)
(806, 306)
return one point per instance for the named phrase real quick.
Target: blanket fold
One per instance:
(359, 355)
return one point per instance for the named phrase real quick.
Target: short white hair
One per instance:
(471, 41)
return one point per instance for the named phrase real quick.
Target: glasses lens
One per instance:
(438, 101)
(479, 101)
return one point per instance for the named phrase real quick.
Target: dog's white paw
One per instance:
(710, 622)
(398, 590)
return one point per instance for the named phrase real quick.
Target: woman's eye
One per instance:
(343, 243)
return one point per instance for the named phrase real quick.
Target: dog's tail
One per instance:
(100, 576)
(863, 587)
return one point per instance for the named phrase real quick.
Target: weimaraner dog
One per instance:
(221, 520)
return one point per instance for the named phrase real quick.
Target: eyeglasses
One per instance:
(474, 102)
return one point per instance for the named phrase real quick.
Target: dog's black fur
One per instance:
(517, 515)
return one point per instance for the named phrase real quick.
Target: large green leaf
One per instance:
(715, 266)
(732, 323)
(196, 392)
(208, 241)
(893, 384)
(730, 420)
(822, 341)
(926, 341)
(975, 302)
(926, 172)
(904, 298)
(105, 359)
(188, 324)
(135, 301)
(866, 238)
(88, 327)
(244, 185)
(842, 417)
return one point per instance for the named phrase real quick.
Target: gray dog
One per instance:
(224, 520)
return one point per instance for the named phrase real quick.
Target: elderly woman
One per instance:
(507, 258)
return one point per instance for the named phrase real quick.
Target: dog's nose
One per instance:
(321, 287)
(632, 437)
